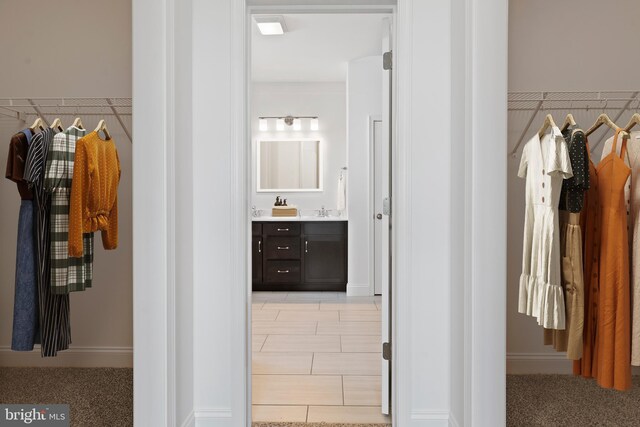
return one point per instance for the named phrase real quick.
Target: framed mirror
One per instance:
(289, 165)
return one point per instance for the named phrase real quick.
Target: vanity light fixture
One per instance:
(281, 121)
(271, 25)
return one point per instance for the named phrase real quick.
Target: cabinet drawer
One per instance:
(282, 229)
(282, 272)
(319, 227)
(283, 247)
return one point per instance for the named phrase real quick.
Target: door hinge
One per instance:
(386, 351)
(386, 206)
(387, 61)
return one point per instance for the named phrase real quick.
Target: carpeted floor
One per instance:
(103, 397)
(97, 397)
(568, 401)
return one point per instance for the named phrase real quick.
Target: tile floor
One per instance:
(316, 357)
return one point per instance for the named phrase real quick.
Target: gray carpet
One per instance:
(565, 400)
(97, 397)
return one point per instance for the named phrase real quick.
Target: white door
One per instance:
(377, 142)
(385, 218)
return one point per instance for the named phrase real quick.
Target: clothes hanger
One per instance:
(78, 123)
(102, 126)
(57, 124)
(568, 121)
(38, 123)
(635, 120)
(603, 119)
(548, 122)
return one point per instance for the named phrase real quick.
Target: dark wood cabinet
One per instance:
(299, 256)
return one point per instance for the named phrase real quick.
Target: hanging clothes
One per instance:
(632, 194)
(67, 274)
(612, 364)
(55, 326)
(25, 305)
(569, 340)
(544, 164)
(94, 193)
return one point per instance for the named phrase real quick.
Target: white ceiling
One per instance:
(316, 48)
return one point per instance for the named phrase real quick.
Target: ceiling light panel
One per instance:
(271, 25)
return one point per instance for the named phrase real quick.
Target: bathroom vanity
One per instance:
(299, 254)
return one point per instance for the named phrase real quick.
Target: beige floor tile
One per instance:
(349, 328)
(316, 315)
(279, 413)
(356, 306)
(297, 390)
(358, 300)
(347, 414)
(362, 391)
(302, 343)
(257, 341)
(312, 296)
(268, 296)
(361, 343)
(257, 305)
(259, 315)
(347, 364)
(296, 306)
(360, 316)
(281, 363)
(283, 328)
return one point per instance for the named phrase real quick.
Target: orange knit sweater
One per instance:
(94, 192)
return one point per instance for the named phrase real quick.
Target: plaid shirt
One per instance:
(67, 274)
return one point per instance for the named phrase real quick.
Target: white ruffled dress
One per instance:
(544, 164)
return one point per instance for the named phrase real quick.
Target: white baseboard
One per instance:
(190, 421)
(214, 417)
(358, 290)
(538, 363)
(430, 419)
(75, 357)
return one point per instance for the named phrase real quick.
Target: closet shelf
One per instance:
(618, 101)
(25, 109)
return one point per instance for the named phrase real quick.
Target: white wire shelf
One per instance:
(26, 109)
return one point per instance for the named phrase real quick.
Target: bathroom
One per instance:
(320, 108)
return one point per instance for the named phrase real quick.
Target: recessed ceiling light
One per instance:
(271, 25)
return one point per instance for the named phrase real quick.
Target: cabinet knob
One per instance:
(259, 246)
(283, 271)
(306, 246)
(283, 248)
(283, 229)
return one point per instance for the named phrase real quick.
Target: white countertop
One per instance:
(267, 218)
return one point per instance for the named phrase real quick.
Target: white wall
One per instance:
(364, 101)
(43, 57)
(325, 100)
(582, 57)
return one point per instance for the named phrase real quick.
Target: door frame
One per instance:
(372, 200)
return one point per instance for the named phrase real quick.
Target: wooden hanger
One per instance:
(602, 119)
(57, 124)
(568, 121)
(635, 120)
(548, 122)
(78, 123)
(102, 126)
(38, 123)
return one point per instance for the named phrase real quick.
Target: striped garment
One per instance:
(55, 325)
(67, 274)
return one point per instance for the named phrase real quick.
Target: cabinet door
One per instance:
(256, 259)
(325, 259)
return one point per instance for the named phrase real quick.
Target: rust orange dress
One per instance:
(590, 223)
(612, 355)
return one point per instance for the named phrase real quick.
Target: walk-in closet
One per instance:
(66, 306)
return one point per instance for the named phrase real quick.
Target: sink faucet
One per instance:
(323, 212)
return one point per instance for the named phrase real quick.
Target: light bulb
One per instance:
(297, 125)
(280, 124)
(314, 124)
(263, 125)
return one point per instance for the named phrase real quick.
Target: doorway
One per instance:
(318, 320)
